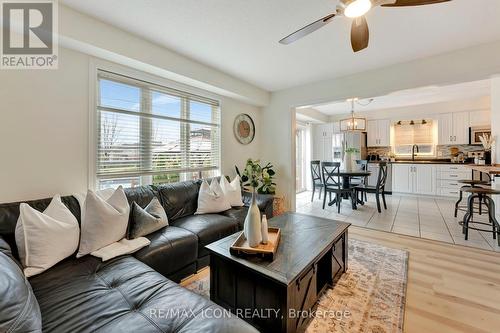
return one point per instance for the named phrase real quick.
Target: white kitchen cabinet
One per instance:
(453, 128)
(445, 129)
(402, 178)
(323, 142)
(336, 127)
(384, 133)
(371, 133)
(424, 179)
(461, 124)
(378, 133)
(448, 177)
(414, 178)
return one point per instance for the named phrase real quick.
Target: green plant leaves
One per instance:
(258, 177)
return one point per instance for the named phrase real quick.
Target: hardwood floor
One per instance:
(451, 288)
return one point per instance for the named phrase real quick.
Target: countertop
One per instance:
(436, 161)
(489, 169)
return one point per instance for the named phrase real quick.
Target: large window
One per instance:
(412, 133)
(150, 134)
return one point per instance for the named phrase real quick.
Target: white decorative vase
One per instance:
(252, 226)
(348, 162)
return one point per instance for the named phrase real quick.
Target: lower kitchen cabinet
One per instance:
(448, 179)
(402, 178)
(414, 178)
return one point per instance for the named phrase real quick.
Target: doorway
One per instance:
(302, 157)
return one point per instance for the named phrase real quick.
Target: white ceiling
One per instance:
(240, 37)
(412, 97)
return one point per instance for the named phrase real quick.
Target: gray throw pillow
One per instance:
(147, 220)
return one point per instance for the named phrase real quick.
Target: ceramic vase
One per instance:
(348, 162)
(265, 230)
(252, 226)
(487, 157)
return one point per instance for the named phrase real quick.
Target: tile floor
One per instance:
(422, 217)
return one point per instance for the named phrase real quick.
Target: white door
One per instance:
(445, 129)
(384, 129)
(402, 178)
(300, 160)
(424, 179)
(461, 124)
(372, 133)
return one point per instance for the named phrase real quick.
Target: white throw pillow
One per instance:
(124, 246)
(104, 221)
(232, 191)
(44, 239)
(211, 199)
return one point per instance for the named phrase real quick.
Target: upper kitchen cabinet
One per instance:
(454, 128)
(322, 142)
(378, 133)
(336, 127)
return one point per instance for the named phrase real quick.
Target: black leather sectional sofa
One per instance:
(133, 293)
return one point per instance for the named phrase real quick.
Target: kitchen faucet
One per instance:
(413, 152)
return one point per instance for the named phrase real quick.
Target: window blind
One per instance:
(149, 133)
(406, 135)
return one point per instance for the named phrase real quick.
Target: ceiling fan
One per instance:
(355, 9)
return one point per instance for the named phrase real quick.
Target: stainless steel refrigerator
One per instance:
(342, 141)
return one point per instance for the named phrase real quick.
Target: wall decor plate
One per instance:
(244, 128)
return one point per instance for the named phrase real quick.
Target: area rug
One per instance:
(368, 298)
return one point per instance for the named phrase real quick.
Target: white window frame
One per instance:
(95, 65)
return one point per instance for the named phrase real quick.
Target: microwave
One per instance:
(476, 132)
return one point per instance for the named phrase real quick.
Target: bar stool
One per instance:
(481, 194)
(469, 184)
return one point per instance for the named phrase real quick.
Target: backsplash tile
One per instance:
(381, 151)
(442, 151)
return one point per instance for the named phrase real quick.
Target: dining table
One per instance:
(346, 176)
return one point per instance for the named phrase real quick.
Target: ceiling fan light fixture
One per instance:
(357, 8)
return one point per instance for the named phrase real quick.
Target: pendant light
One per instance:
(353, 123)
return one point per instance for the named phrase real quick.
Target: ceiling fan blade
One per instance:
(360, 34)
(406, 3)
(307, 29)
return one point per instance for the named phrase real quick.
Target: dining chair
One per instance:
(333, 184)
(363, 180)
(379, 189)
(316, 178)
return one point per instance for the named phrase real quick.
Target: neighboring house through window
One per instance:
(150, 134)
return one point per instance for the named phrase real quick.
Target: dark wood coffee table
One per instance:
(278, 296)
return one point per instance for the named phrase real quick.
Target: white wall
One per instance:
(91, 36)
(495, 116)
(44, 130)
(471, 64)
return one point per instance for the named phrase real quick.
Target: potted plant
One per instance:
(253, 176)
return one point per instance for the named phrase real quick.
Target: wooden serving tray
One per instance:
(267, 251)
